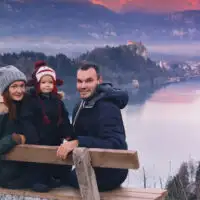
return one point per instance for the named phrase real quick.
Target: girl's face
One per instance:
(17, 90)
(46, 84)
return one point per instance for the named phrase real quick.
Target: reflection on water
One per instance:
(165, 131)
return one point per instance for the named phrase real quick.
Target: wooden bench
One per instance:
(84, 160)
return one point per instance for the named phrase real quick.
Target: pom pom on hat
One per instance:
(39, 64)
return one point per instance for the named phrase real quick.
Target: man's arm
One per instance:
(111, 133)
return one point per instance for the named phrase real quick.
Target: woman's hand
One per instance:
(19, 138)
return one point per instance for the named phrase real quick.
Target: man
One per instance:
(97, 123)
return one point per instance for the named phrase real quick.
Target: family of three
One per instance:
(38, 116)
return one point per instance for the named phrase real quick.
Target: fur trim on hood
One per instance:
(1, 99)
(3, 108)
(61, 94)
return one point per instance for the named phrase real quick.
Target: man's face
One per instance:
(87, 81)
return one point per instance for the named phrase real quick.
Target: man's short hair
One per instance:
(86, 65)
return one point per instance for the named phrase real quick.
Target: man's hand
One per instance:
(65, 148)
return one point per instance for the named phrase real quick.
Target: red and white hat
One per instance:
(43, 71)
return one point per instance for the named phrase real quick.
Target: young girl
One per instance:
(50, 119)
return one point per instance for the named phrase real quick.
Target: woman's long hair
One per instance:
(10, 105)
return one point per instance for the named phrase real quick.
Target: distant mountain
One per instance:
(126, 63)
(120, 65)
(38, 18)
(94, 22)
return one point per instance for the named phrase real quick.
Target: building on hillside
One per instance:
(139, 48)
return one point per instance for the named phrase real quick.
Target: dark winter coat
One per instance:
(10, 170)
(98, 124)
(52, 133)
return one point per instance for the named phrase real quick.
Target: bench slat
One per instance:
(132, 194)
(66, 193)
(141, 190)
(104, 158)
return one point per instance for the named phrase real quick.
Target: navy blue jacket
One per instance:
(98, 124)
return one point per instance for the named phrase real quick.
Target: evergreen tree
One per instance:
(197, 181)
(177, 185)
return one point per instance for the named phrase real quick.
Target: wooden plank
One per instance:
(36, 153)
(133, 194)
(161, 192)
(125, 159)
(67, 193)
(85, 174)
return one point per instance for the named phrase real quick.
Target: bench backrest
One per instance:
(104, 158)
(84, 160)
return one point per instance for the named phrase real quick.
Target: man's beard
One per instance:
(93, 94)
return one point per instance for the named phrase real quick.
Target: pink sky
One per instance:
(150, 5)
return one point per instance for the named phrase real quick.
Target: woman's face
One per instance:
(17, 90)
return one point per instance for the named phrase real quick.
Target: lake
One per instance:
(165, 130)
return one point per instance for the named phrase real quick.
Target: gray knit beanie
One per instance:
(8, 75)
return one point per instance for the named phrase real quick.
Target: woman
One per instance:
(15, 125)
